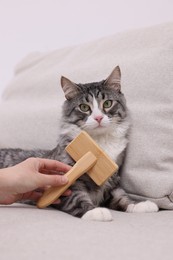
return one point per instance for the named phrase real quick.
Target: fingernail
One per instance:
(64, 179)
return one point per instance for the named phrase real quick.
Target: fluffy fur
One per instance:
(100, 109)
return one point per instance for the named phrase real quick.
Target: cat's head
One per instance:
(95, 107)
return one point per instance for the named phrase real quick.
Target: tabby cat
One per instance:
(100, 109)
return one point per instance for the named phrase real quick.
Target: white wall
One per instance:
(39, 25)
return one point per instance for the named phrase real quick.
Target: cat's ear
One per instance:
(114, 79)
(70, 89)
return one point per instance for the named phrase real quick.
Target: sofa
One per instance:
(30, 111)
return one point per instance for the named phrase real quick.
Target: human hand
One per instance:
(21, 181)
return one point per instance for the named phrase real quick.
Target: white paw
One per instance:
(98, 214)
(145, 206)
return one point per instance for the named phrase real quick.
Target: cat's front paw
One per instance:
(98, 214)
(144, 206)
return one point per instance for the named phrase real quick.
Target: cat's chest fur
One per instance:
(112, 145)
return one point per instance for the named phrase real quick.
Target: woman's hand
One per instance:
(28, 180)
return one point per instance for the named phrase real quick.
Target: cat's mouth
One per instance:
(100, 126)
(96, 126)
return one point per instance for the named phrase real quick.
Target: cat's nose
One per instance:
(98, 118)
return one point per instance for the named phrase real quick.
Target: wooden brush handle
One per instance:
(53, 193)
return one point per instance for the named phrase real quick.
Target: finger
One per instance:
(52, 180)
(34, 196)
(56, 202)
(53, 165)
(67, 193)
(50, 172)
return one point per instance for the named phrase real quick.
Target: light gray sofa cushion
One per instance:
(29, 233)
(31, 104)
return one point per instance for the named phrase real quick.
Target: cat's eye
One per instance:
(84, 107)
(107, 104)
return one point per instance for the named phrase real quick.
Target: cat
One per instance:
(100, 109)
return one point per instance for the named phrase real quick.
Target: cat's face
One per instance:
(94, 107)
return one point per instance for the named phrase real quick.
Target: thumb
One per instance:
(52, 180)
